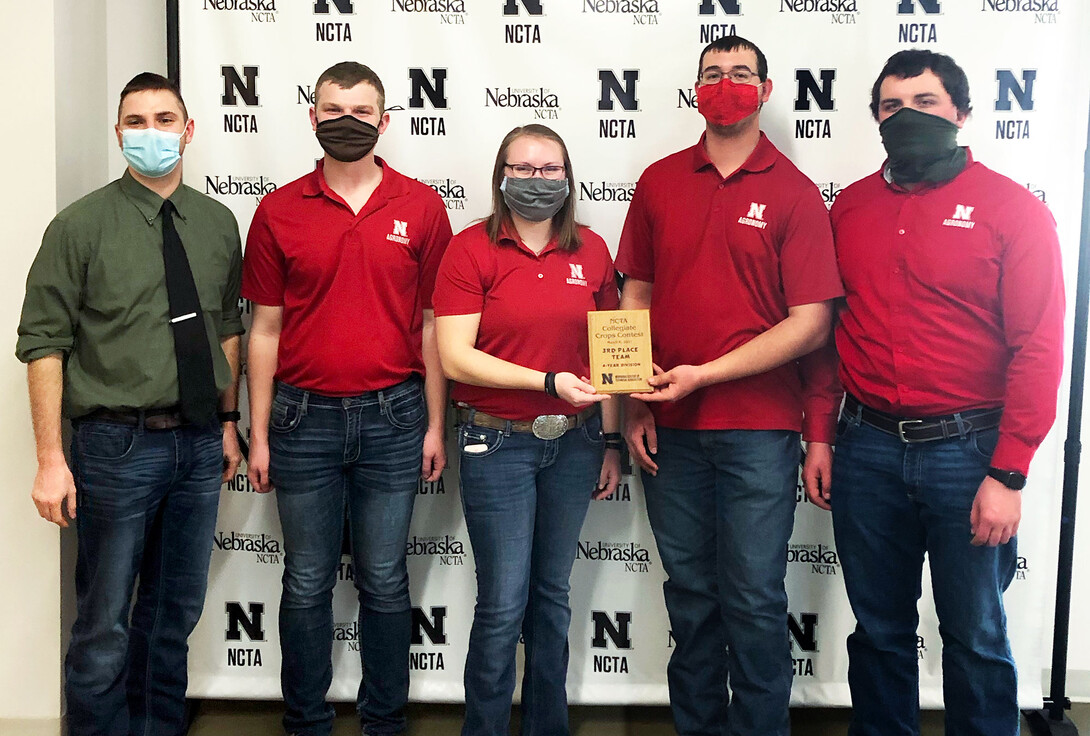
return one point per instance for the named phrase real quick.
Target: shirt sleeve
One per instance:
(431, 254)
(635, 252)
(263, 267)
(459, 284)
(1031, 293)
(231, 314)
(808, 267)
(822, 393)
(54, 291)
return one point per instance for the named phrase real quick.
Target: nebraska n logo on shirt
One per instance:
(755, 217)
(576, 276)
(400, 233)
(963, 217)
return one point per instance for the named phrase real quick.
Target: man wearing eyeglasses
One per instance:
(729, 246)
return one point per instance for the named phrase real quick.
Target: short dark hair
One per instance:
(733, 43)
(145, 81)
(565, 228)
(914, 62)
(347, 74)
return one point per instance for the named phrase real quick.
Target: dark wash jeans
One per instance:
(146, 505)
(722, 508)
(525, 500)
(330, 456)
(892, 503)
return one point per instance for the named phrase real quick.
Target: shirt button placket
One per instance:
(900, 294)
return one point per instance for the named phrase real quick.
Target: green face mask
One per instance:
(921, 147)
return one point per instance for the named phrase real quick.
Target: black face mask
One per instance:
(347, 138)
(921, 147)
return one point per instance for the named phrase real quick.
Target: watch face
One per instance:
(1010, 478)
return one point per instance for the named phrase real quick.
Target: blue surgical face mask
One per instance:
(150, 151)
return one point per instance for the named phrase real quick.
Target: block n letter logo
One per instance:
(234, 86)
(240, 619)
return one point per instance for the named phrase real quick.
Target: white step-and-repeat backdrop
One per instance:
(614, 78)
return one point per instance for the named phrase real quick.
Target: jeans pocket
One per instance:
(592, 432)
(105, 440)
(406, 411)
(285, 415)
(983, 443)
(474, 441)
(843, 427)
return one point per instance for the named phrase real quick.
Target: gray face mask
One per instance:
(534, 199)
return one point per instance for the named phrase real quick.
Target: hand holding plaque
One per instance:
(620, 350)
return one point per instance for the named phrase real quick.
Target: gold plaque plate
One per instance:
(620, 350)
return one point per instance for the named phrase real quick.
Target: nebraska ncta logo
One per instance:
(576, 276)
(400, 233)
(963, 217)
(755, 217)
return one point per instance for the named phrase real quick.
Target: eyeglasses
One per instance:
(738, 76)
(525, 171)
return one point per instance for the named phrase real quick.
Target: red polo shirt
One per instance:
(352, 285)
(727, 258)
(533, 310)
(955, 301)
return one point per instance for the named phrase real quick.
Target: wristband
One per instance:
(1012, 479)
(550, 385)
(229, 416)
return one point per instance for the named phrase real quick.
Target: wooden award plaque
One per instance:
(620, 350)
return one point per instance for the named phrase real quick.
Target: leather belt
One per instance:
(924, 429)
(545, 427)
(169, 417)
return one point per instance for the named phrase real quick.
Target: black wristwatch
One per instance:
(1010, 478)
(229, 416)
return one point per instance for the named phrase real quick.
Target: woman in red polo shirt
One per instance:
(511, 303)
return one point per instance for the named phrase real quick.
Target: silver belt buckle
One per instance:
(901, 430)
(549, 426)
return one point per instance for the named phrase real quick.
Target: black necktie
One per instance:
(196, 377)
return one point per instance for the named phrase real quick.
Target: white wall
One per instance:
(65, 61)
(30, 676)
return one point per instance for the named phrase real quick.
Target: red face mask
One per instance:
(727, 102)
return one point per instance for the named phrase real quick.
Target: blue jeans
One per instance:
(146, 505)
(363, 454)
(893, 502)
(722, 507)
(525, 500)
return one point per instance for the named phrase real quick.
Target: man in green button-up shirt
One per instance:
(143, 485)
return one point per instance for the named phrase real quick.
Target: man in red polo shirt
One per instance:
(346, 394)
(951, 348)
(729, 246)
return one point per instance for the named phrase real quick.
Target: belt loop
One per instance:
(965, 426)
(856, 417)
(303, 406)
(141, 417)
(507, 429)
(472, 415)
